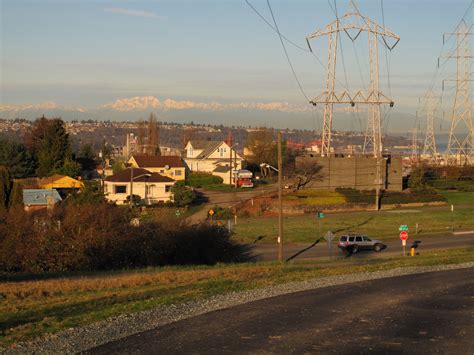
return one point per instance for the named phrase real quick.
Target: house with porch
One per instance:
(214, 157)
(149, 186)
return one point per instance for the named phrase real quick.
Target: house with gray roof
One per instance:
(37, 199)
(212, 157)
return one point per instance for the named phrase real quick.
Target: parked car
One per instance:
(355, 242)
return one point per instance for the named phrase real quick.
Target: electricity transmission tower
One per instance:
(460, 143)
(414, 145)
(353, 23)
(429, 146)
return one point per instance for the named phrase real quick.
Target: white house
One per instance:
(151, 187)
(212, 157)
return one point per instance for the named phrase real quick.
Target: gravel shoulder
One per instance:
(76, 340)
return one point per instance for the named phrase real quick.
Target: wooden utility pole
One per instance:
(230, 166)
(230, 158)
(280, 204)
(131, 185)
(377, 184)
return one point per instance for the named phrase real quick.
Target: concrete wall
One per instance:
(355, 172)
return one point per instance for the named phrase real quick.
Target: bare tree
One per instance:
(141, 136)
(306, 172)
(153, 135)
(261, 146)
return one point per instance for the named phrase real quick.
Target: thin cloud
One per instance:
(136, 13)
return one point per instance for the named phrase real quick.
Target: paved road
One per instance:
(394, 247)
(417, 314)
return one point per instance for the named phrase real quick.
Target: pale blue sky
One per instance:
(89, 53)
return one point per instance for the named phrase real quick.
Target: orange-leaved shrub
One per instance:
(99, 236)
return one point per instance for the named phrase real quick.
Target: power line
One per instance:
(319, 61)
(286, 52)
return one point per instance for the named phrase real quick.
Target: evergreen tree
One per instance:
(182, 196)
(17, 159)
(5, 187)
(50, 144)
(69, 168)
(16, 196)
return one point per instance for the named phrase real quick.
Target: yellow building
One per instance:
(60, 182)
(170, 166)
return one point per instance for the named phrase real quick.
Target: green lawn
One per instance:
(382, 224)
(316, 197)
(458, 197)
(35, 307)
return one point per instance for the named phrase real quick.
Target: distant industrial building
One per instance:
(357, 172)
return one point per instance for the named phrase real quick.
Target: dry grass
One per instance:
(31, 308)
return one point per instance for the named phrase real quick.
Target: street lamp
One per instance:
(230, 164)
(131, 183)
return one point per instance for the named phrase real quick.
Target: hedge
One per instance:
(202, 180)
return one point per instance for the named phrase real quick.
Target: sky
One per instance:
(213, 57)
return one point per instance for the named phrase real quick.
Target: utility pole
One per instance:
(235, 168)
(131, 185)
(230, 166)
(460, 147)
(353, 23)
(280, 203)
(377, 184)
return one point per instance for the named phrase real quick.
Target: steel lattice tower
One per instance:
(460, 148)
(414, 144)
(429, 146)
(353, 24)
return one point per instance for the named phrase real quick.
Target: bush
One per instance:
(222, 213)
(419, 196)
(182, 195)
(356, 196)
(100, 237)
(202, 180)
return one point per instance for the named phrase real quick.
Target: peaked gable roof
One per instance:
(157, 161)
(202, 144)
(39, 197)
(207, 147)
(60, 182)
(139, 175)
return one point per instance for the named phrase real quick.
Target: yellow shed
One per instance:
(60, 182)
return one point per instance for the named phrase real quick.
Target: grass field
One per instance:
(32, 308)
(316, 197)
(459, 197)
(382, 224)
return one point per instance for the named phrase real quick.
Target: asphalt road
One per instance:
(416, 314)
(394, 247)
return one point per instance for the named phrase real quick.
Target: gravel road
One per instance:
(81, 339)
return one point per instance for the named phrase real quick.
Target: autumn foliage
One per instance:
(101, 237)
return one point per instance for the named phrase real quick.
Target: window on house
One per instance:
(120, 189)
(162, 171)
(168, 188)
(221, 150)
(177, 172)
